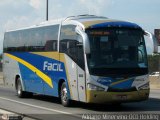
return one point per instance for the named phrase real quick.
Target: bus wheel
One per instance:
(19, 90)
(64, 95)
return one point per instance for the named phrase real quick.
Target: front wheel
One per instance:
(64, 95)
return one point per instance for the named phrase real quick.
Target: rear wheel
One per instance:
(64, 95)
(20, 92)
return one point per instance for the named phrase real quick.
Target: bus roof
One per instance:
(88, 21)
(45, 23)
(92, 21)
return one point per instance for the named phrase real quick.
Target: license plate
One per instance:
(120, 97)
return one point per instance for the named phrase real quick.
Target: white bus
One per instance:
(83, 58)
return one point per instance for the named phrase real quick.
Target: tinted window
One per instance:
(51, 37)
(114, 50)
(35, 39)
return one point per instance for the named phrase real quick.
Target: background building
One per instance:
(157, 35)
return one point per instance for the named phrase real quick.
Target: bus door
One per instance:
(81, 84)
(71, 45)
(81, 70)
(75, 66)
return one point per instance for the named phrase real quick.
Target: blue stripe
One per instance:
(124, 85)
(34, 83)
(116, 24)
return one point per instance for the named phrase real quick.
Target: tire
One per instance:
(64, 95)
(20, 92)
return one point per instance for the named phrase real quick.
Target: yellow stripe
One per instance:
(52, 55)
(59, 57)
(34, 69)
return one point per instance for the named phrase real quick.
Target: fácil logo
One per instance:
(52, 66)
(104, 81)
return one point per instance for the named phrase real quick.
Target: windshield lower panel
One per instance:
(116, 51)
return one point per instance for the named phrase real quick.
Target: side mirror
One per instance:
(85, 39)
(153, 38)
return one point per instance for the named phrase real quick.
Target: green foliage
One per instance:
(153, 63)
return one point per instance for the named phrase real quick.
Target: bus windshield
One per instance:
(116, 51)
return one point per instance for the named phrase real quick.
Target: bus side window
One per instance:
(51, 45)
(70, 44)
(51, 38)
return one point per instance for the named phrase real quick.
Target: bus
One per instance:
(86, 58)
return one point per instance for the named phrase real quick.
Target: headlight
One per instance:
(145, 86)
(94, 87)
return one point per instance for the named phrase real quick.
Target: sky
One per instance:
(22, 13)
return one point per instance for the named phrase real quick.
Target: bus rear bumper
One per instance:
(120, 97)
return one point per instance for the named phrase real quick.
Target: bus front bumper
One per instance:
(116, 97)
